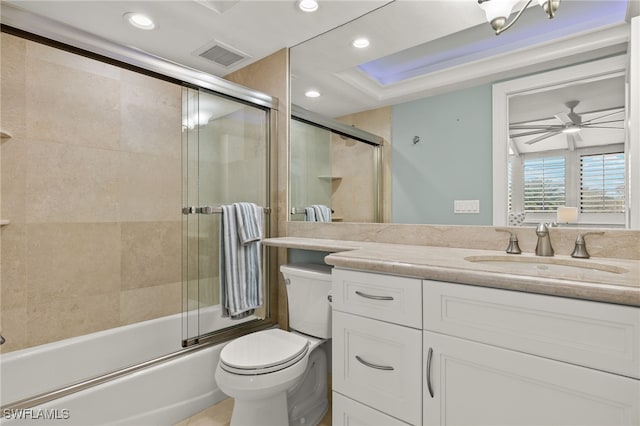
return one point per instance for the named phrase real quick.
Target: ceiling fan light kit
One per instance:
(498, 11)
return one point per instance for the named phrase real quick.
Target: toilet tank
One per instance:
(308, 287)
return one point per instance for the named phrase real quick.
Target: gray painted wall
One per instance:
(451, 162)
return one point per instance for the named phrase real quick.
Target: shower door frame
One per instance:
(270, 222)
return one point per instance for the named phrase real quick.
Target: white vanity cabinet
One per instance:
(520, 358)
(477, 384)
(377, 349)
(407, 351)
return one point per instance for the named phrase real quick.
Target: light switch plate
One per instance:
(466, 206)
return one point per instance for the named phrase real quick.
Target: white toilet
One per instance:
(279, 377)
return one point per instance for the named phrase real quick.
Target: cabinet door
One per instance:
(378, 364)
(347, 412)
(477, 384)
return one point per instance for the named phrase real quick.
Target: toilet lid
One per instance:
(263, 352)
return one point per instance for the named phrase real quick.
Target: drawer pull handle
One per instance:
(429, 356)
(373, 296)
(377, 367)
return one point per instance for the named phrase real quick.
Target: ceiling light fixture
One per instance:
(360, 43)
(139, 20)
(498, 11)
(308, 5)
(312, 94)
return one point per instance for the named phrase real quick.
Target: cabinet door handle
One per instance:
(429, 356)
(377, 367)
(373, 296)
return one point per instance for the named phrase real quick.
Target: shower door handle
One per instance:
(200, 210)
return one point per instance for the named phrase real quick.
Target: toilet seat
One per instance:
(263, 352)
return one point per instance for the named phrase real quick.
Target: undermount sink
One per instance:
(516, 263)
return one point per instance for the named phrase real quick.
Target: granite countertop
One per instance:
(604, 280)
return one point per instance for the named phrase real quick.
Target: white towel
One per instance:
(323, 213)
(240, 264)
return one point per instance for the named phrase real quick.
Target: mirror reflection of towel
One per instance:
(317, 213)
(241, 262)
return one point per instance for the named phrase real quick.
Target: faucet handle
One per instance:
(513, 247)
(580, 250)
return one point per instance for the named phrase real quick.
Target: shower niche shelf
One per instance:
(5, 134)
(4, 222)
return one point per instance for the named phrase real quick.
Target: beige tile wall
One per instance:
(615, 243)
(271, 75)
(91, 183)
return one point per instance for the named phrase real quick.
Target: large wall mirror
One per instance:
(427, 87)
(334, 171)
(561, 147)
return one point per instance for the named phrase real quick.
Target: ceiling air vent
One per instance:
(221, 54)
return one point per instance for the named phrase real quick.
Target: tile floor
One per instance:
(220, 415)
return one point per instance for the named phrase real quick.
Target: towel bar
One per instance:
(300, 210)
(211, 210)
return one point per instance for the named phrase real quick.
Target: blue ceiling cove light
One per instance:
(479, 42)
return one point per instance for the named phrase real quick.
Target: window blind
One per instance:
(544, 184)
(602, 183)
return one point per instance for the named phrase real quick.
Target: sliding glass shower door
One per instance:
(225, 160)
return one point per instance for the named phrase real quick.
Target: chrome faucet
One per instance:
(543, 248)
(580, 250)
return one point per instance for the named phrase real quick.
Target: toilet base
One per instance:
(270, 411)
(308, 400)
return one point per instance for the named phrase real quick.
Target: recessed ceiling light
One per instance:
(139, 20)
(312, 94)
(308, 5)
(360, 43)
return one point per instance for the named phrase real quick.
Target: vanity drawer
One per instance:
(383, 297)
(592, 334)
(378, 364)
(347, 412)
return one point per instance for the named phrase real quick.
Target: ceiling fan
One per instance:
(570, 123)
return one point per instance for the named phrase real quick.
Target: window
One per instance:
(593, 179)
(602, 183)
(544, 184)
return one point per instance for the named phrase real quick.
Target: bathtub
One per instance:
(162, 394)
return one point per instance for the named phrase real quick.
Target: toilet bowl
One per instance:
(279, 377)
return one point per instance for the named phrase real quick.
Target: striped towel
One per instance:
(317, 213)
(249, 217)
(309, 214)
(240, 264)
(323, 213)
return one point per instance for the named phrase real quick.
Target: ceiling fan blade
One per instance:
(534, 132)
(603, 116)
(564, 118)
(543, 137)
(571, 141)
(538, 126)
(604, 122)
(532, 121)
(603, 127)
(577, 137)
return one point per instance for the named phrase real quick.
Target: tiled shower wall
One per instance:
(91, 183)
